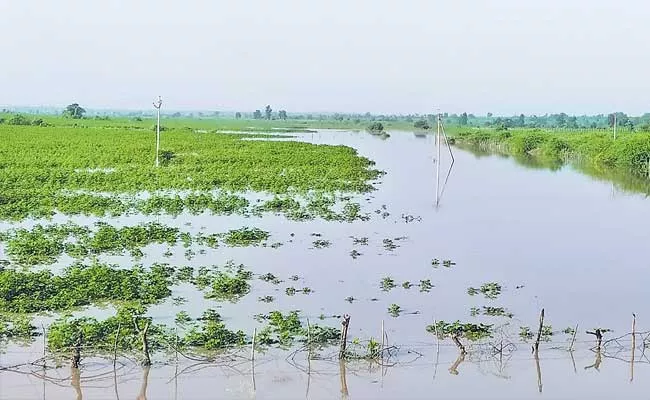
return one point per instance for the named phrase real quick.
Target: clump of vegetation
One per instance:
(472, 332)
(407, 285)
(266, 299)
(290, 291)
(355, 254)
(491, 312)
(230, 282)
(448, 263)
(210, 333)
(421, 124)
(394, 310)
(245, 237)
(286, 329)
(81, 285)
(361, 241)
(435, 262)
(269, 277)
(389, 245)
(526, 333)
(320, 244)
(376, 127)
(425, 285)
(490, 290)
(387, 284)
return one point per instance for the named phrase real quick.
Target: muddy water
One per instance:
(553, 239)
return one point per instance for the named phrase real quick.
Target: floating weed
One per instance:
(425, 285)
(387, 284)
(179, 300)
(266, 299)
(350, 299)
(411, 218)
(490, 290)
(360, 241)
(568, 331)
(407, 285)
(320, 244)
(189, 254)
(168, 253)
(269, 277)
(290, 291)
(435, 263)
(276, 245)
(389, 245)
(307, 290)
(472, 332)
(245, 237)
(355, 254)
(394, 310)
(230, 284)
(491, 312)
(294, 277)
(526, 333)
(448, 263)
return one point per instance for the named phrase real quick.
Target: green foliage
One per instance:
(394, 310)
(387, 284)
(245, 237)
(230, 282)
(211, 333)
(74, 111)
(81, 285)
(490, 290)
(376, 127)
(65, 169)
(421, 124)
(472, 332)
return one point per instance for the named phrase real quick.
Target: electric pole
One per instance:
(157, 106)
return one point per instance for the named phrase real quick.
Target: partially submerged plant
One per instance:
(394, 310)
(490, 290)
(387, 284)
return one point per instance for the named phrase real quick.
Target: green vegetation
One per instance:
(394, 310)
(387, 284)
(43, 245)
(472, 332)
(229, 282)
(490, 290)
(81, 285)
(99, 169)
(491, 312)
(629, 152)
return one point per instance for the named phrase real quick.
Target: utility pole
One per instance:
(157, 106)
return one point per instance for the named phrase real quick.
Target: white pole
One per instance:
(157, 105)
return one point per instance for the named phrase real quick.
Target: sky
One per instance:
(381, 56)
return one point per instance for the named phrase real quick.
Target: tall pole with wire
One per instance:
(157, 105)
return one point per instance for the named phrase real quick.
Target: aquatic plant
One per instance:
(472, 332)
(394, 310)
(387, 284)
(490, 290)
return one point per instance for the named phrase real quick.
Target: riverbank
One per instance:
(628, 152)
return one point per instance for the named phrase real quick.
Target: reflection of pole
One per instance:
(438, 163)
(157, 105)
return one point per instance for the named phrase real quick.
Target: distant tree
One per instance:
(421, 124)
(561, 120)
(237, 115)
(282, 114)
(176, 115)
(621, 119)
(74, 111)
(462, 120)
(257, 114)
(572, 122)
(489, 115)
(268, 111)
(18, 119)
(521, 121)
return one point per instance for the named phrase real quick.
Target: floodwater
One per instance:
(557, 240)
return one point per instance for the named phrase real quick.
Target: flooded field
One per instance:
(504, 242)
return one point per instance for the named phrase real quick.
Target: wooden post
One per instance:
(539, 331)
(573, 339)
(117, 338)
(145, 341)
(344, 336)
(599, 337)
(76, 351)
(458, 343)
(253, 358)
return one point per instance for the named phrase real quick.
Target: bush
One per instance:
(19, 119)
(421, 124)
(376, 127)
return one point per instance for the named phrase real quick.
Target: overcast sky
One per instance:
(500, 56)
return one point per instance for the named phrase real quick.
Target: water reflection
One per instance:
(145, 382)
(454, 367)
(75, 382)
(624, 180)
